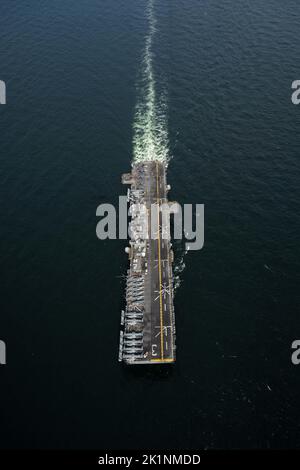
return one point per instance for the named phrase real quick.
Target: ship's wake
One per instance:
(150, 139)
(179, 267)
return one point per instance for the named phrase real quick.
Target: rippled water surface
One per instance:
(75, 76)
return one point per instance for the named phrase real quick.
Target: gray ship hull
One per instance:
(148, 321)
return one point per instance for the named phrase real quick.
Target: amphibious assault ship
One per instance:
(148, 322)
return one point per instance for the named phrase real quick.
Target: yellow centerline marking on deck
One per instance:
(159, 271)
(162, 360)
(171, 302)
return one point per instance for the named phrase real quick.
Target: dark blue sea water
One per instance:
(71, 70)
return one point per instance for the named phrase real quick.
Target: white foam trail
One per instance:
(150, 140)
(179, 267)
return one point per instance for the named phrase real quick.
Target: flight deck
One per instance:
(148, 320)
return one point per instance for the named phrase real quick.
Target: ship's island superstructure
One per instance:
(148, 321)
